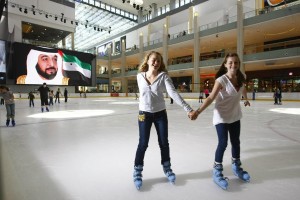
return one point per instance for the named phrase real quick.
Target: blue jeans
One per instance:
(234, 133)
(145, 122)
(10, 109)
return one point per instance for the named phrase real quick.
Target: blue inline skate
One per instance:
(137, 176)
(218, 176)
(238, 171)
(168, 172)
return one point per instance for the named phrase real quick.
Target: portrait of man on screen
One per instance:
(43, 67)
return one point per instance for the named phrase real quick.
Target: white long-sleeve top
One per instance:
(151, 96)
(227, 107)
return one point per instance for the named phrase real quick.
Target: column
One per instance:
(196, 81)
(72, 41)
(154, 10)
(149, 34)
(140, 16)
(109, 69)
(190, 22)
(240, 34)
(166, 41)
(123, 67)
(141, 47)
(172, 4)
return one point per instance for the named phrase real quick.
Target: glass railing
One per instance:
(271, 47)
(157, 41)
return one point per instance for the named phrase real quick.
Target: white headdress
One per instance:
(33, 77)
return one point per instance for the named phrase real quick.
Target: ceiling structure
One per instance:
(93, 24)
(87, 36)
(38, 33)
(102, 24)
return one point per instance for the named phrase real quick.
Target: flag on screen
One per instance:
(74, 67)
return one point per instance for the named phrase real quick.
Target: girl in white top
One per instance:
(227, 92)
(153, 81)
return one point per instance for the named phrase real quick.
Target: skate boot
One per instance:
(13, 123)
(137, 176)
(238, 171)
(42, 109)
(7, 122)
(47, 109)
(168, 172)
(218, 177)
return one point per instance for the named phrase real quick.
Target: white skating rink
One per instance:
(84, 150)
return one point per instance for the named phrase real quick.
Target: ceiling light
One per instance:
(134, 5)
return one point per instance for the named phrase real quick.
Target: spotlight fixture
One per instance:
(76, 23)
(98, 29)
(71, 22)
(20, 9)
(25, 11)
(141, 8)
(65, 20)
(123, 1)
(55, 18)
(109, 31)
(46, 15)
(95, 28)
(33, 12)
(134, 5)
(137, 7)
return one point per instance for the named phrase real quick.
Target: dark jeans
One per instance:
(10, 109)
(234, 133)
(145, 121)
(31, 102)
(44, 101)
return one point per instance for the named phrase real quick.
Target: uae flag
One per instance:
(75, 69)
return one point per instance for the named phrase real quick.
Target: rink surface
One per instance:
(84, 150)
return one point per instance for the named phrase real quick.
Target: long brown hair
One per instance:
(144, 66)
(223, 70)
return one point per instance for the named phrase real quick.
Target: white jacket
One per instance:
(152, 96)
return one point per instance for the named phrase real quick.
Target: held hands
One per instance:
(246, 103)
(193, 114)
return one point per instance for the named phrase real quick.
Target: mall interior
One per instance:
(264, 33)
(80, 150)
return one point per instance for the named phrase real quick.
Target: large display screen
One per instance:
(34, 65)
(2, 62)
